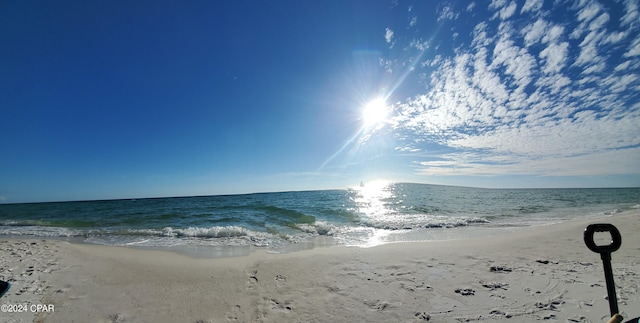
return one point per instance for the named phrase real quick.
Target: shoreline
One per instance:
(298, 220)
(379, 238)
(538, 273)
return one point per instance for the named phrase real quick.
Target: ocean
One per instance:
(372, 214)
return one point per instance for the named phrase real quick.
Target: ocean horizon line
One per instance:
(355, 186)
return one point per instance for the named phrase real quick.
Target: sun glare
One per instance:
(374, 112)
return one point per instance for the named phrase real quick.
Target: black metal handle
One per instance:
(4, 287)
(605, 253)
(616, 239)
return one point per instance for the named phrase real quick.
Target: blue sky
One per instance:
(106, 99)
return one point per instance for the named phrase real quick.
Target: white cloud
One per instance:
(555, 56)
(553, 34)
(631, 13)
(623, 66)
(497, 4)
(594, 68)
(593, 23)
(532, 5)
(634, 48)
(471, 6)
(619, 83)
(589, 12)
(533, 33)
(413, 21)
(504, 11)
(615, 37)
(588, 53)
(600, 21)
(388, 35)
(447, 13)
(419, 44)
(508, 11)
(517, 61)
(580, 165)
(510, 102)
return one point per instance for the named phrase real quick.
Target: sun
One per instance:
(374, 112)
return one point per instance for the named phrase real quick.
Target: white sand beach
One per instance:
(538, 273)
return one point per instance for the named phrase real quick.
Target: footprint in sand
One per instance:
(284, 307)
(465, 291)
(497, 313)
(423, 316)
(500, 269)
(378, 305)
(28, 272)
(234, 315)
(551, 305)
(116, 318)
(495, 286)
(252, 280)
(280, 281)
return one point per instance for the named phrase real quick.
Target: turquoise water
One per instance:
(375, 213)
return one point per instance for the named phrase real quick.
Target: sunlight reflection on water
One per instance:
(372, 202)
(371, 199)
